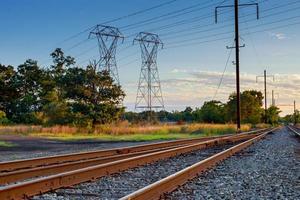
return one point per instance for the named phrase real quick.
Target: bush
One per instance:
(3, 119)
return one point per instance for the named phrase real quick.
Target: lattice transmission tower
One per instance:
(107, 38)
(149, 94)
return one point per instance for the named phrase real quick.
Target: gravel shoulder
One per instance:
(30, 147)
(269, 169)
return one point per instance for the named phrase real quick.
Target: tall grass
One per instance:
(125, 129)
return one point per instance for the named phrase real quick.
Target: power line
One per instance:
(210, 24)
(255, 26)
(222, 77)
(119, 18)
(176, 12)
(197, 27)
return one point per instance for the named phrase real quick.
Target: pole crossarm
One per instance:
(240, 5)
(268, 76)
(241, 46)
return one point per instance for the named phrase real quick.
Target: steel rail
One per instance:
(294, 131)
(14, 176)
(42, 161)
(156, 190)
(41, 185)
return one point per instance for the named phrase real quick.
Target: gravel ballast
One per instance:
(119, 185)
(269, 169)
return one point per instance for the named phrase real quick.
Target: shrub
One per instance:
(3, 119)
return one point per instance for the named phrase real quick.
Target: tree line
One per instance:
(218, 112)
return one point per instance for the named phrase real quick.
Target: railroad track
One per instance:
(67, 170)
(294, 130)
(168, 184)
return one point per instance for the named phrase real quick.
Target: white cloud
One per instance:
(175, 71)
(279, 36)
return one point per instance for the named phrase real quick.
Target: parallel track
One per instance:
(297, 133)
(158, 189)
(73, 157)
(112, 161)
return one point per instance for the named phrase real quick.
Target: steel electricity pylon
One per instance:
(149, 94)
(107, 38)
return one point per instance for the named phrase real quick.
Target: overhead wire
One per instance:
(223, 73)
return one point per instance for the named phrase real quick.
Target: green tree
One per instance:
(56, 109)
(28, 82)
(93, 94)
(8, 89)
(212, 112)
(251, 107)
(188, 114)
(273, 115)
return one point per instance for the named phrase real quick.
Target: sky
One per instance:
(194, 56)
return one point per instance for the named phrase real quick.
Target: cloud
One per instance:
(175, 71)
(279, 36)
(195, 87)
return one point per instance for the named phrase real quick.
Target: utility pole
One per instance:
(295, 120)
(265, 88)
(237, 49)
(273, 100)
(275, 95)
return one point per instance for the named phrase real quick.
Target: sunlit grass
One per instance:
(6, 144)
(124, 131)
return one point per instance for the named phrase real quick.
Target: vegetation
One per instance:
(291, 119)
(125, 131)
(218, 112)
(63, 94)
(6, 144)
(72, 102)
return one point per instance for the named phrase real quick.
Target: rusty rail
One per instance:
(73, 157)
(41, 185)
(158, 189)
(294, 131)
(42, 161)
(14, 176)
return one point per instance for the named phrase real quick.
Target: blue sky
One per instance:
(190, 70)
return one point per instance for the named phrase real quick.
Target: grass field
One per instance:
(6, 144)
(124, 132)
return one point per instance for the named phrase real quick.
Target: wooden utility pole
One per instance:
(265, 76)
(295, 117)
(237, 50)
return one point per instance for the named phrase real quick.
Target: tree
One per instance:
(273, 115)
(28, 81)
(212, 112)
(187, 114)
(251, 107)
(8, 89)
(93, 95)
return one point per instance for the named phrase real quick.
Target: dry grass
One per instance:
(123, 129)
